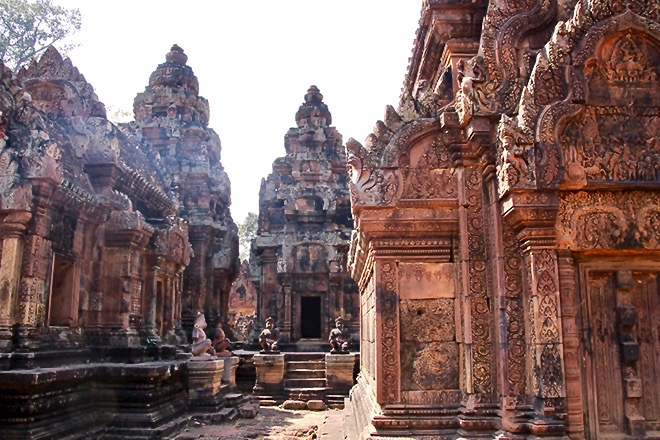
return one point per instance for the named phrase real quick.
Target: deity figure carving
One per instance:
(221, 344)
(516, 156)
(269, 337)
(202, 347)
(339, 337)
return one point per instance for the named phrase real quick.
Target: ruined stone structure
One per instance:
(96, 226)
(171, 119)
(84, 211)
(507, 240)
(304, 229)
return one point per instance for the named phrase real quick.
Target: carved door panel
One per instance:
(622, 353)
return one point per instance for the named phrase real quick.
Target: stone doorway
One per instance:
(62, 308)
(310, 317)
(622, 352)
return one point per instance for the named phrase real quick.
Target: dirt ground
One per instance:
(272, 423)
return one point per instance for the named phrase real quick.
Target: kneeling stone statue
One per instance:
(339, 337)
(202, 347)
(269, 337)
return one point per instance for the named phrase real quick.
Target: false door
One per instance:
(622, 353)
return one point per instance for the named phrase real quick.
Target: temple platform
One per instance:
(300, 380)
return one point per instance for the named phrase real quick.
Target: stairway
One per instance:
(304, 378)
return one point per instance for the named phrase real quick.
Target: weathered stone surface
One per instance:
(500, 209)
(316, 405)
(299, 254)
(428, 320)
(96, 226)
(171, 119)
(248, 410)
(269, 383)
(294, 404)
(205, 388)
(229, 372)
(339, 370)
(242, 305)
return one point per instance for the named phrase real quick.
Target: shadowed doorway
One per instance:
(310, 317)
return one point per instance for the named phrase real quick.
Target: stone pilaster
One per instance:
(12, 228)
(269, 285)
(533, 217)
(36, 268)
(286, 328)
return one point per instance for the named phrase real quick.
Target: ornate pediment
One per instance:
(59, 89)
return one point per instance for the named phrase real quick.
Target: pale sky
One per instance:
(254, 61)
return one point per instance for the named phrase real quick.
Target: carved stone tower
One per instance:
(173, 119)
(304, 229)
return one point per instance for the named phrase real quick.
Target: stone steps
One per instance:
(306, 394)
(233, 400)
(302, 356)
(305, 383)
(305, 377)
(335, 400)
(306, 374)
(305, 365)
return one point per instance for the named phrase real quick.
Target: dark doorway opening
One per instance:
(310, 317)
(61, 306)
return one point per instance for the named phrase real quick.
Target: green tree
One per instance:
(28, 27)
(247, 230)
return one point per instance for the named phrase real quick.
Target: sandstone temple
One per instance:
(493, 246)
(304, 231)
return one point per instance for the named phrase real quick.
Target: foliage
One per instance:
(28, 27)
(247, 230)
(118, 115)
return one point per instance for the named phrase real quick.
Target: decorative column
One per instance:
(388, 362)
(286, 328)
(197, 275)
(269, 285)
(152, 269)
(12, 231)
(126, 238)
(572, 363)
(533, 216)
(36, 268)
(479, 412)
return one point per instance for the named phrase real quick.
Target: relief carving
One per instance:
(431, 184)
(426, 280)
(515, 314)
(480, 312)
(432, 366)
(514, 156)
(389, 319)
(609, 220)
(428, 320)
(612, 144)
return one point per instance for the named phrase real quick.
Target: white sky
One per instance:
(254, 61)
